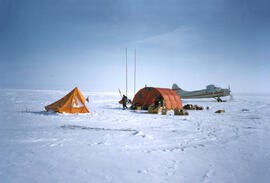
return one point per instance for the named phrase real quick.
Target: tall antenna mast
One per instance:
(134, 71)
(126, 75)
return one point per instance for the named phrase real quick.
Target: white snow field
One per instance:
(112, 145)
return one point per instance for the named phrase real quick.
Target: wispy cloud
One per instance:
(179, 38)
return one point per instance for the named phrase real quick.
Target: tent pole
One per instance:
(135, 72)
(126, 75)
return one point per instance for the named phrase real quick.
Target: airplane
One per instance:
(211, 91)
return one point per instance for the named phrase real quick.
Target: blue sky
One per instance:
(60, 44)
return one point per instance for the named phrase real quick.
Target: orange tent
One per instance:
(147, 96)
(73, 102)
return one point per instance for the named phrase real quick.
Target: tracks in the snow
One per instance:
(74, 127)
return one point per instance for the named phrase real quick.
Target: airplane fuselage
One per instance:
(209, 92)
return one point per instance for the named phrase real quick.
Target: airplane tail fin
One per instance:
(175, 87)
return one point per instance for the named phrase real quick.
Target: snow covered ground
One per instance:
(112, 145)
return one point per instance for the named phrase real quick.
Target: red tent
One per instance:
(147, 96)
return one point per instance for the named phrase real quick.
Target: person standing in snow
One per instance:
(159, 102)
(124, 99)
(161, 99)
(156, 102)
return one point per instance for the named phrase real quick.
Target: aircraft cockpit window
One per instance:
(210, 87)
